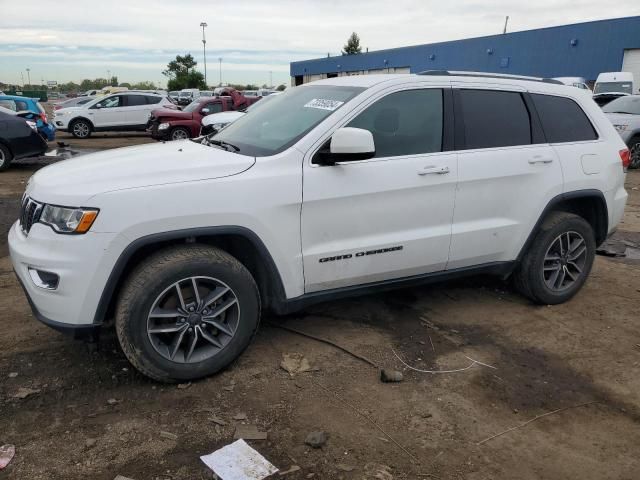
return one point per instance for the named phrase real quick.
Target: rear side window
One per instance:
(136, 100)
(563, 120)
(152, 99)
(494, 119)
(404, 123)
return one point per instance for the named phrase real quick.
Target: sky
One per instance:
(256, 39)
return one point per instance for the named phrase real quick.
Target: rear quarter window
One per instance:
(563, 120)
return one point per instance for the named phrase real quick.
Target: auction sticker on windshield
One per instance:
(324, 104)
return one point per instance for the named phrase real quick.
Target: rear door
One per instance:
(389, 216)
(507, 174)
(137, 109)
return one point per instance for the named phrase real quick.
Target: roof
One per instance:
(18, 97)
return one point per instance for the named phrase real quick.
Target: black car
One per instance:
(18, 139)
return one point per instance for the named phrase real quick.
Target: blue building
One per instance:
(578, 50)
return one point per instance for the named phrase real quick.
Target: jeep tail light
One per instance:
(625, 156)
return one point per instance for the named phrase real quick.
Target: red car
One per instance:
(168, 124)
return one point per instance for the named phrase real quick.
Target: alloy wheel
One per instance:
(193, 319)
(179, 134)
(2, 158)
(81, 129)
(564, 261)
(635, 155)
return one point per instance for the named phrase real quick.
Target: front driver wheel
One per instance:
(558, 261)
(186, 313)
(180, 133)
(5, 158)
(80, 129)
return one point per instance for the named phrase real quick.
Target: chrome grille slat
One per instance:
(30, 211)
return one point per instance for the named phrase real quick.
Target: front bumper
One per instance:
(78, 260)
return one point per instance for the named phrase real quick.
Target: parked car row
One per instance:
(29, 109)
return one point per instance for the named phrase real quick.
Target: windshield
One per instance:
(185, 94)
(192, 107)
(285, 119)
(604, 87)
(624, 105)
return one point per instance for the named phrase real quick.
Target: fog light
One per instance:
(42, 279)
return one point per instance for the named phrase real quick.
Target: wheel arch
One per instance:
(589, 204)
(238, 241)
(75, 119)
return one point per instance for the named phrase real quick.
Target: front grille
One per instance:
(29, 213)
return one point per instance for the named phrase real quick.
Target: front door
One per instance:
(389, 216)
(109, 112)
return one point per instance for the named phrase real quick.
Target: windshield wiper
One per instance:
(226, 145)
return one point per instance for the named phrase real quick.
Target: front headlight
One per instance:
(68, 219)
(219, 126)
(621, 128)
(163, 126)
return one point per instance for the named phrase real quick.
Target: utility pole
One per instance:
(29, 76)
(204, 50)
(22, 77)
(220, 62)
(506, 21)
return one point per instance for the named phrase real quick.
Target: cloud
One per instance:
(71, 40)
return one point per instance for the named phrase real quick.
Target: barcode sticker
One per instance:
(324, 104)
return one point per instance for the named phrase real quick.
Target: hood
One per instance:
(73, 182)
(222, 117)
(170, 113)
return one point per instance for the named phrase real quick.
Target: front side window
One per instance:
(285, 119)
(404, 123)
(562, 119)
(110, 102)
(213, 107)
(494, 118)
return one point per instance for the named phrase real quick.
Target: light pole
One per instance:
(22, 77)
(220, 62)
(204, 50)
(29, 76)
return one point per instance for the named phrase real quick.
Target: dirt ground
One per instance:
(92, 416)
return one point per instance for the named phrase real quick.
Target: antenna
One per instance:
(506, 21)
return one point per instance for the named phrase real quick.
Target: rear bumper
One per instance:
(30, 146)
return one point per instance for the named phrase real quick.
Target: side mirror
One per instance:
(205, 111)
(346, 145)
(98, 105)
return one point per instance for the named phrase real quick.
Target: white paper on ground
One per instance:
(238, 461)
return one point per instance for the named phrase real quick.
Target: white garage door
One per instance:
(631, 63)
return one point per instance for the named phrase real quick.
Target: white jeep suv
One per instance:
(338, 187)
(122, 111)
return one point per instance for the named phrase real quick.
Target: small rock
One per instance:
(229, 388)
(249, 432)
(120, 477)
(112, 401)
(13, 374)
(240, 416)
(90, 442)
(23, 392)
(184, 386)
(168, 435)
(292, 468)
(390, 376)
(295, 363)
(316, 439)
(345, 468)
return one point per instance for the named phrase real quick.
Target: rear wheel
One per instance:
(80, 128)
(187, 312)
(634, 148)
(5, 158)
(180, 133)
(558, 261)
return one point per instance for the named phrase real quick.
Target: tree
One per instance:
(352, 46)
(182, 73)
(144, 86)
(126, 85)
(281, 88)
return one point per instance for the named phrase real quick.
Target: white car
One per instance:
(578, 82)
(341, 186)
(117, 112)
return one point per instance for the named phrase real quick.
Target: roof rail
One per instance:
(445, 73)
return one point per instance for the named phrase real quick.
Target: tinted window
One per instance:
(404, 123)
(152, 99)
(136, 100)
(109, 102)
(563, 120)
(630, 104)
(494, 119)
(214, 107)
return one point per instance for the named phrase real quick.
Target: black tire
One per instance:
(80, 128)
(5, 158)
(180, 133)
(634, 148)
(529, 277)
(156, 275)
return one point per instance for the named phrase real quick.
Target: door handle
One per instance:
(539, 159)
(433, 170)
